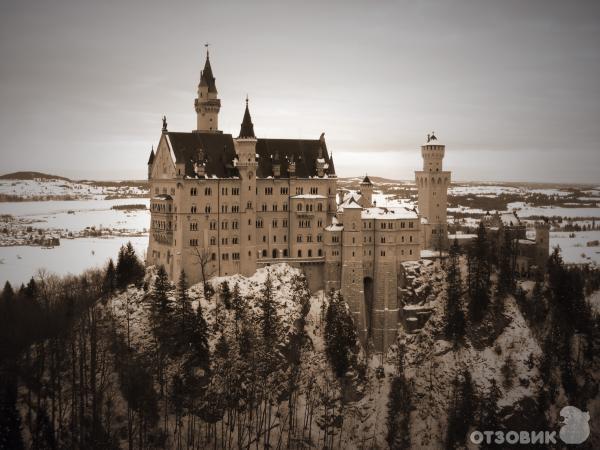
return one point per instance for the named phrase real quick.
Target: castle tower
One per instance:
(366, 192)
(245, 148)
(207, 104)
(432, 184)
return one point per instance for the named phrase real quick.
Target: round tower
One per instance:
(432, 184)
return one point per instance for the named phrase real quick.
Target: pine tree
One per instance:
(398, 418)
(340, 334)
(489, 419)
(461, 414)
(268, 320)
(238, 305)
(129, 268)
(455, 318)
(160, 307)
(110, 278)
(183, 305)
(479, 276)
(10, 419)
(8, 293)
(198, 339)
(226, 294)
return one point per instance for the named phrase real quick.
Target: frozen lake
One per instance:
(76, 215)
(72, 256)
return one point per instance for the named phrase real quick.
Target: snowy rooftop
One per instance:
(387, 214)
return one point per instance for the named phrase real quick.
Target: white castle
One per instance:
(223, 205)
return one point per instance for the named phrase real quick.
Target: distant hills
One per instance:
(31, 176)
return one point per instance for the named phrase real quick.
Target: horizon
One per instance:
(511, 89)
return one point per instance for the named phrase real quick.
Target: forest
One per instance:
(123, 358)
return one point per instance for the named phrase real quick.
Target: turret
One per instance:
(245, 148)
(432, 184)
(207, 105)
(366, 192)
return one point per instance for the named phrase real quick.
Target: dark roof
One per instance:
(303, 151)
(207, 78)
(214, 150)
(151, 159)
(247, 128)
(366, 180)
(217, 152)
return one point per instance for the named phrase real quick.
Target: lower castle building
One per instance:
(223, 205)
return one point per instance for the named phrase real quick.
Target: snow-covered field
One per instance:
(72, 256)
(64, 188)
(76, 215)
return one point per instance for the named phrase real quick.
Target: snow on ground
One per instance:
(594, 300)
(524, 210)
(76, 215)
(46, 188)
(575, 249)
(19, 263)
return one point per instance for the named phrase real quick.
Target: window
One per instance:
(320, 223)
(207, 209)
(411, 224)
(285, 223)
(274, 223)
(259, 223)
(213, 240)
(402, 224)
(235, 225)
(224, 241)
(299, 238)
(309, 253)
(283, 191)
(274, 206)
(410, 238)
(263, 207)
(299, 207)
(193, 209)
(319, 238)
(194, 226)
(299, 191)
(223, 191)
(285, 207)
(249, 205)
(225, 256)
(268, 191)
(299, 253)
(213, 225)
(382, 252)
(235, 208)
(234, 241)
(223, 208)
(194, 242)
(193, 191)
(308, 238)
(285, 253)
(224, 225)
(320, 207)
(320, 252)
(314, 190)
(207, 191)
(274, 253)
(235, 256)
(235, 191)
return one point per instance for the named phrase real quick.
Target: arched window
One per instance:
(299, 253)
(264, 253)
(310, 253)
(285, 253)
(274, 253)
(299, 207)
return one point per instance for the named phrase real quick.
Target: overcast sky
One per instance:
(511, 87)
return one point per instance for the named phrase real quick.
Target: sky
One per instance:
(512, 87)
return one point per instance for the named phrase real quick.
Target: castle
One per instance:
(223, 205)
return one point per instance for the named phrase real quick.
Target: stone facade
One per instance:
(222, 205)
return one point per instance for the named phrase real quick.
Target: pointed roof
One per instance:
(247, 128)
(331, 168)
(366, 180)
(206, 76)
(151, 159)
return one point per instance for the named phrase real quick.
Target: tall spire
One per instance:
(247, 128)
(206, 76)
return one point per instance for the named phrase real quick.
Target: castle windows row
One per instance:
(208, 191)
(389, 225)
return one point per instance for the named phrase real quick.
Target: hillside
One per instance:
(245, 362)
(31, 176)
